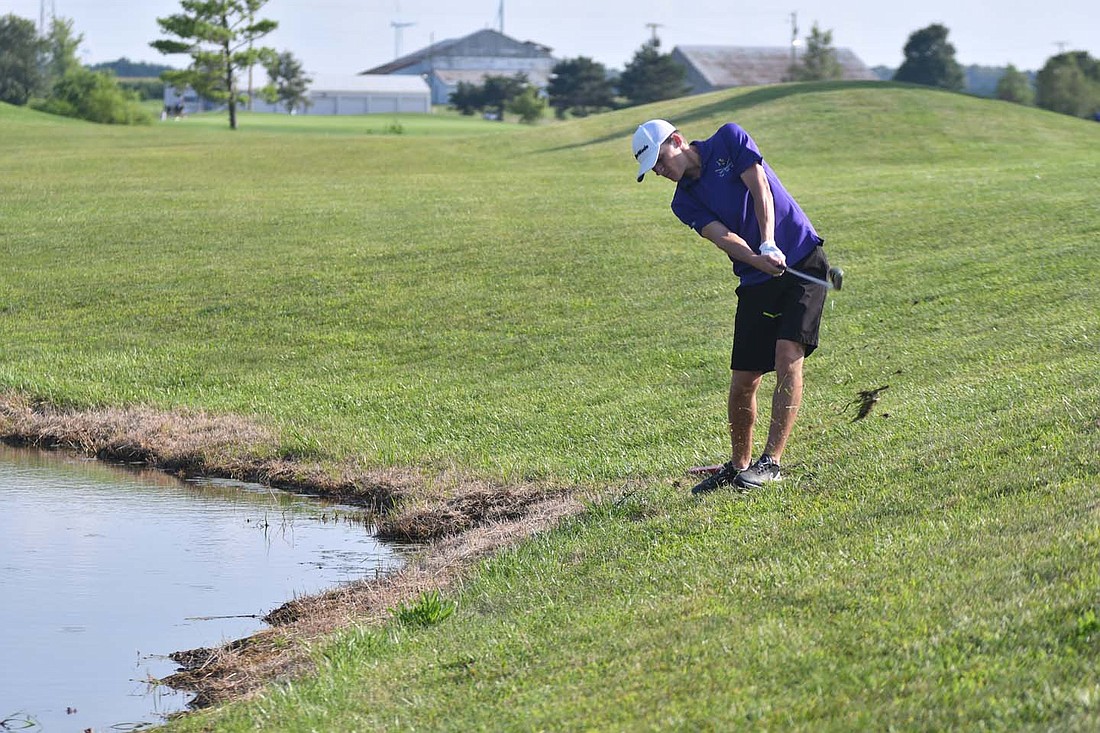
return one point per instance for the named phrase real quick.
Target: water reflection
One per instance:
(104, 571)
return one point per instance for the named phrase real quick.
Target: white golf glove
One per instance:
(768, 249)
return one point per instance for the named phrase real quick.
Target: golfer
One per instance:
(729, 195)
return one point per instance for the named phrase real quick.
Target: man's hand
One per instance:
(771, 259)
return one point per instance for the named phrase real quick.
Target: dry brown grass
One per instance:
(460, 518)
(238, 669)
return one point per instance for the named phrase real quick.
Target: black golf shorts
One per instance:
(784, 307)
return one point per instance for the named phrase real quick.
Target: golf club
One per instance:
(836, 277)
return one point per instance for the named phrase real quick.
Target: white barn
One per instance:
(351, 94)
(360, 94)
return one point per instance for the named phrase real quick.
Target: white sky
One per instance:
(349, 36)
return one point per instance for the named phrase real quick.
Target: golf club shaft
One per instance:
(811, 278)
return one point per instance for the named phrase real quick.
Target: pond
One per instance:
(105, 570)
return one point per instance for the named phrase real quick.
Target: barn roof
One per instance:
(736, 66)
(483, 43)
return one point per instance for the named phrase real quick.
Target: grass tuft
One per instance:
(428, 610)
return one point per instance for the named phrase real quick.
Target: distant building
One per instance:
(470, 59)
(710, 68)
(352, 94)
(360, 94)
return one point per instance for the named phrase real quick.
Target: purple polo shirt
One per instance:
(719, 194)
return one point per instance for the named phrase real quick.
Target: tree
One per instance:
(498, 91)
(930, 60)
(289, 82)
(94, 96)
(1014, 86)
(819, 63)
(467, 97)
(61, 47)
(528, 105)
(499, 94)
(20, 76)
(219, 36)
(1069, 83)
(124, 68)
(652, 76)
(580, 86)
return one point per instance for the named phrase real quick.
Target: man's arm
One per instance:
(756, 180)
(738, 248)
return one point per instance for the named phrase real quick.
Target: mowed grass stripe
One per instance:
(514, 304)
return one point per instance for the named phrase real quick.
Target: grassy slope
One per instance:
(515, 304)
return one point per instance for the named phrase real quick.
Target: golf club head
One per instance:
(836, 277)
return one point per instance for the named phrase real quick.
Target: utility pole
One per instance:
(500, 17)
(794, 38)
(653, 31)
(1061, 46)
(42, 29)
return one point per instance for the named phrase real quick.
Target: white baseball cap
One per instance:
(646, 145)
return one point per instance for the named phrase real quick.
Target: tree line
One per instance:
(45, 73)
(222, 38)
(1068, 83)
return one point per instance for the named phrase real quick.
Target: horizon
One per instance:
(341, 37)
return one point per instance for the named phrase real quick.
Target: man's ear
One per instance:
(679, 139)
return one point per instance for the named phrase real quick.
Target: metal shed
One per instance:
(361, 94)
(351, 94)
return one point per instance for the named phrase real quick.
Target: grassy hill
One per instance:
(508, 301)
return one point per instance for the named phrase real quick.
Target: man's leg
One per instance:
(787, 398)
(742, 415)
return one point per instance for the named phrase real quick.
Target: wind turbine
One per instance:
(397, 27)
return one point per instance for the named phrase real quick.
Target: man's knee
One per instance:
(788, 356)
(742, 381)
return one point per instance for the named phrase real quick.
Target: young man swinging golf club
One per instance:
(729, 195)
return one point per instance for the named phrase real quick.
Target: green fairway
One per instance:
(507, 301)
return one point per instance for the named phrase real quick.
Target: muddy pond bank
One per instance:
(457, 519)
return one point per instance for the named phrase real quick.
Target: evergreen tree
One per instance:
(20, 75)
(499, 94)
(498, 91)
(468, 97)
(219, 37)
(1014, 86)
(1069, 83)
(930, 60)
(528, 105)
(289, 82)
(580, 86)
(652, 76)
(819, 63)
